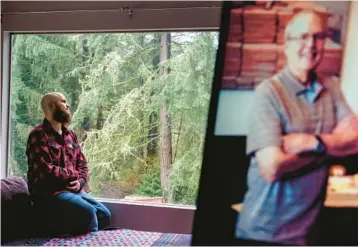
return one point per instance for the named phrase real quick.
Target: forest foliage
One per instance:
(131, 102)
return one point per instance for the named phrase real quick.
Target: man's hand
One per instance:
(347, 125)
(344, 139)
(74, 186)
(297, 143)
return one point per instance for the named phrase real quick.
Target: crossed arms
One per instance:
(278, 155)
(275, 161)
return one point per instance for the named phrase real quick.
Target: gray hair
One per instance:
(291, 24)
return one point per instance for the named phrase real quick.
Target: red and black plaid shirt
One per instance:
(53, 160)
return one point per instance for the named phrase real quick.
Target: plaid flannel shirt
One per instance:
(53, 160)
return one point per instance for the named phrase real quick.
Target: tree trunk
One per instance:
(100, 118)
(153, 117)
(86, 126)
(141, 151)
(165, 144)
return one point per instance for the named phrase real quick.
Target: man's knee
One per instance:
(104, 217)
(82, 215)
(107, 213)
(87, 218)
(103, 214)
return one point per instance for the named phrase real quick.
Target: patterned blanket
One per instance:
(120, 237)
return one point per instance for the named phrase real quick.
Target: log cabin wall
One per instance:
(254, 48)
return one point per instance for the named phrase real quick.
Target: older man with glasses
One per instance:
(299, 120)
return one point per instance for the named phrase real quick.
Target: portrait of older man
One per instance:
(298, 121)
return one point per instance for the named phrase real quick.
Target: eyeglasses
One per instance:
(308, 36)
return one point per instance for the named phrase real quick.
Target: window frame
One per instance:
(155, 217)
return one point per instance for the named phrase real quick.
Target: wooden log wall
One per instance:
(254, 50)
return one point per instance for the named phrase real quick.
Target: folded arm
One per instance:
(278, 155)
(274, 163)
(265, 140)
(344, 139)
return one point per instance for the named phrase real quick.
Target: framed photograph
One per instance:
(253, 48)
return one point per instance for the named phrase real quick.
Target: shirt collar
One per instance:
(296, 87)
(48, 127)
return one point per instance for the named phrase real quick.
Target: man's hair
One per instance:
(291, 24)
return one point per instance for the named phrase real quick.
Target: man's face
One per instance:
(304, 46)
(61, 111)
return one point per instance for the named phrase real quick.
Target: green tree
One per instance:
(39, 65)
(118, 88)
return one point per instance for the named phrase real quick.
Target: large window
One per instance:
(139, 105)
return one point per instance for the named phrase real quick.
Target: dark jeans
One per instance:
(72, 213)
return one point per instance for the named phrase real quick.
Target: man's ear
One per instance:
(51, 106)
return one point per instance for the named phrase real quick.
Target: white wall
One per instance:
(233, 109)
(350, 61)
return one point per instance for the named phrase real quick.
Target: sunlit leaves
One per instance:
(119, 74)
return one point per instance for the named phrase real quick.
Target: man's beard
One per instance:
(61, 116)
